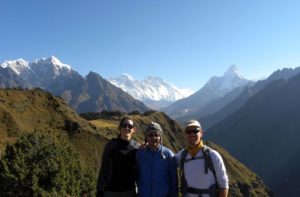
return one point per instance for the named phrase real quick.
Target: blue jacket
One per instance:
(156, 173)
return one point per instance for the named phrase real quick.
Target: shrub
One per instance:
(40, 165)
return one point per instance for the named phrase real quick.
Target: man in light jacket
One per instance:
(202, 169)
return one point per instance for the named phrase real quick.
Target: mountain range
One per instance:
(238, 101)
(216, 88)
(264, 131)
(258, 122)
(85, 94)
(93, 93)
(152, 91)
(38, 73)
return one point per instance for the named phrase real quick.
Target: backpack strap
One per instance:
(208, 165)
(183, 184)
(212, 191)
(208, 161)
(182, 158)
(193, 158)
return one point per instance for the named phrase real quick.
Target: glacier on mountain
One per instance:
(150, 89)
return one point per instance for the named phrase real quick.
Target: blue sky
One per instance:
(183, 42)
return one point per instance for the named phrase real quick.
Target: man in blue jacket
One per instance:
(156, 166)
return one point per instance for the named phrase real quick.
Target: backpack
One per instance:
(208, 163)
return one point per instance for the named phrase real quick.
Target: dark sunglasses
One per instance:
(125, 126)
(190, 131)
(153, 135)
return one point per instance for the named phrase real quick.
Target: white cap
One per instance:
(193, 123)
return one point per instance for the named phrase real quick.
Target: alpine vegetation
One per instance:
(41, 165)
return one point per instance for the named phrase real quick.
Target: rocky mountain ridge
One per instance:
(85, 94)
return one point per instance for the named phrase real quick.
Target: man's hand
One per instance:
(143, 145)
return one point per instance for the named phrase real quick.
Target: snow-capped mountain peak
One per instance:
(14, 62)
(126, 76)
(38, 72)
(53, 61)
(233, 71)
(150, 89)
(216, 88)
(154, 80)
(18, 66)
(50, 68)
(223, 84)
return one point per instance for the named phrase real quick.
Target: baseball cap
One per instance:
(193, 123)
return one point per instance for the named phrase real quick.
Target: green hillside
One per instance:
(36, 110)
(27, 111)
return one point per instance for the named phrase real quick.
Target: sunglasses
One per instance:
(190, 131)
(153, 135)
(125, 126)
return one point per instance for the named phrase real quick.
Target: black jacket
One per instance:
(118, 166)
